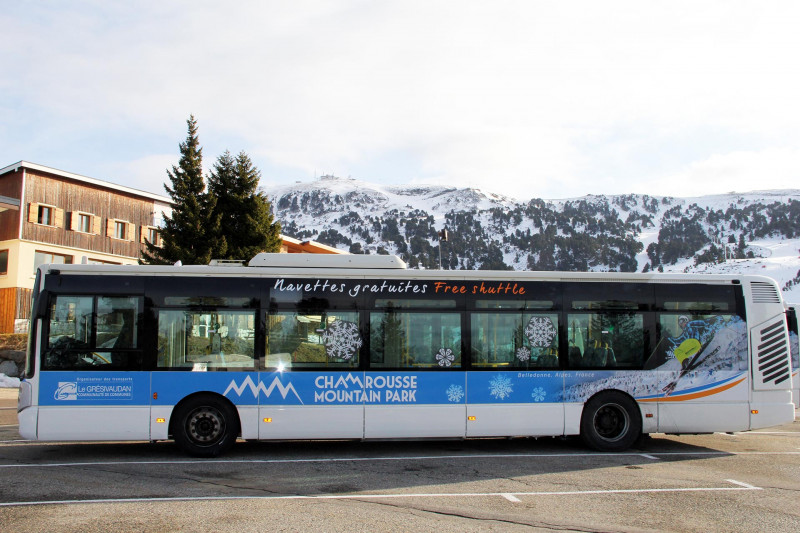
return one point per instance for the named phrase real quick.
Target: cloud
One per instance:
(547, 99)
(737, 171)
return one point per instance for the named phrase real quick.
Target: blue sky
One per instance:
(547, 99)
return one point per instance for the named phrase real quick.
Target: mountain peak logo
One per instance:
(284, 390)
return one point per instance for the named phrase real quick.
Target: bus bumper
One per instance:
(767, 414)
(28, 420)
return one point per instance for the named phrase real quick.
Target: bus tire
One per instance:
(205, 426)
(611, 422)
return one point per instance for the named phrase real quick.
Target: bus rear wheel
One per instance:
(205, 426)
(611, 422)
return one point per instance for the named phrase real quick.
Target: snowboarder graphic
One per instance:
(688, 348)
(694, 335)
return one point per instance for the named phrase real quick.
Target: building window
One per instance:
(45, 258)
(149, 234)
(84, 223)
(46, 217)
(119, 230)
(3, 262)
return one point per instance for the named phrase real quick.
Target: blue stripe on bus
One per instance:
(356, 388)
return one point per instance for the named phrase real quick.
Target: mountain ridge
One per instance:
(757, 230)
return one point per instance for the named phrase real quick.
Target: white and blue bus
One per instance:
(359, 347)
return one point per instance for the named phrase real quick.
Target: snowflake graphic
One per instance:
(500, 387)
(540, 331)
(445, 357)
(538, 394)
(524, 353)
(342, 340)
(455, 393)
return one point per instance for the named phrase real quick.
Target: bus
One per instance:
(359, 347)
(792, 313)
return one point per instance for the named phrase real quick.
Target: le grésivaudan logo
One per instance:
(95, 388)
(67, 390)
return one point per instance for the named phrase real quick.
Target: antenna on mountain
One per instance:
(442, 238)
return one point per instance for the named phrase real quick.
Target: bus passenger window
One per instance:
(514, 340)
(303, 340)
(116, 322)
(70, 333)
(93, 332)
(415, 340)
(605, 340)
(206, 340)
(689, 341)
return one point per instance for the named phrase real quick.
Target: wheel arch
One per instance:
(590, 408)
(195, 396)
(614, 391)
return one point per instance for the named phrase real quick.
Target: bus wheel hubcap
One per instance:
(205, 425)
(611, 422)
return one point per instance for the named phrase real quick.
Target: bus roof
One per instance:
(385, 266)
(326, 261)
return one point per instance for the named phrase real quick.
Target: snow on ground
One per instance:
(779, 260)
(7, 382)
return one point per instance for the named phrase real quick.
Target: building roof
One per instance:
(84, 179)
(293, 245)
(7, 203)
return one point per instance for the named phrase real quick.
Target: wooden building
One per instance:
(52, 216)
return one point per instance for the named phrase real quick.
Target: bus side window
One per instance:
(70, 332)
(88, 332)
(117, 322)
(200, 340)
(606, 340)
(689, 341)
(322, 339)
(514, 340)
(400, 339)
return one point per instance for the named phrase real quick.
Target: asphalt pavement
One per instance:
(719, 482)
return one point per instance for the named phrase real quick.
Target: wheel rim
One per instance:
(611, 422)
(205, 426)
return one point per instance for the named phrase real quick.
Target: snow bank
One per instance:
(7, 382)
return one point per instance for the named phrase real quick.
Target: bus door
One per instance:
(91, 383)
(514, 387)
(312, 386)
(416, 386)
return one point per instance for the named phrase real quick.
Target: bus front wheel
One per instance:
(205, 426)
(611, 422)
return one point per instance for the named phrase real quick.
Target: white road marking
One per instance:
(793, 433)
(514, 497)
(741, 484)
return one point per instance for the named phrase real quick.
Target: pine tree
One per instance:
(187, 234)
(246, 223)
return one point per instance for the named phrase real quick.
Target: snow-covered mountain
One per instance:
(755, 232)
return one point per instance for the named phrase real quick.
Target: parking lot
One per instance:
(719, 482)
